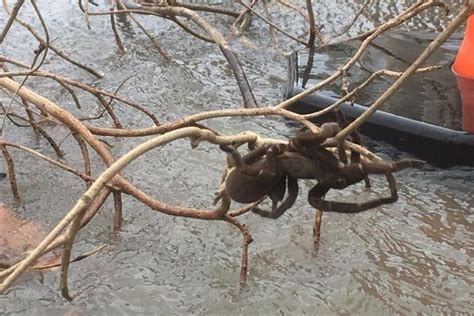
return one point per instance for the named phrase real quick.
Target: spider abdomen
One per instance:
(243, 187)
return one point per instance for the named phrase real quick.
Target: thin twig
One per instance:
(36, 127)
(118, 213)
(203, 8)
(360, 87)
(56, 50)
(152, 39)
(16, 8)
(236, 67)
(85, 177)
(273, 25)
(247, 239)
(347, 27)
(91, 90)
(118, 41)
(66, 258)
(11, 173)
(242, 22)
(191, 31)
(111, 172)
(453, 25)
(85, 156)
(312, 24)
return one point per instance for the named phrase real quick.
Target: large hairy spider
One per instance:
(268, 171)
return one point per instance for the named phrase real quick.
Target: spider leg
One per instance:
(276, 212)
(341, 119)
(355, 172)
(326, 131)
(249, 158)
(255, 155)
(234, 154)
(380, 167)
(355, 156)
(278, 192)
(276, 195)
(316, 200)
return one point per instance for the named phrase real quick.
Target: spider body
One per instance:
(273, 170)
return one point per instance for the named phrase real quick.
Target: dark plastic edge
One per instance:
(391, 121)
(439, 146)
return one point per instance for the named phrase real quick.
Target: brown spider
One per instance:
(268, 171)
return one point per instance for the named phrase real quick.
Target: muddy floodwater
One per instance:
(415, 255)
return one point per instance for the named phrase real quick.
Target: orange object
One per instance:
(464, 62)
(466, 86)
(463, 68)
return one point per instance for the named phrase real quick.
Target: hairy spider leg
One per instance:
(355, 156)
(255, 154)
(276, 212)
(250, 158)
(317, 193)
(355, 138)
(236, 157)
(326, 131)
(341, 119)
